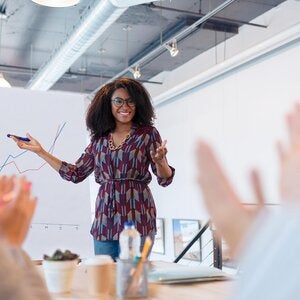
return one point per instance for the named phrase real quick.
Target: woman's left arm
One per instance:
(159, 162)
(159, 158)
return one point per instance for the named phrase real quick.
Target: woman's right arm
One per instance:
(77, 172)
(34, 146)
(53, 161)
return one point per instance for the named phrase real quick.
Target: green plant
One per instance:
(58, 255)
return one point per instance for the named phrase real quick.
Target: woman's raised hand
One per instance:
(159, 155)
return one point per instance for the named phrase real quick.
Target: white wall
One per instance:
(240, 112)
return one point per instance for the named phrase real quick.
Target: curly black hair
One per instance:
(100, 120)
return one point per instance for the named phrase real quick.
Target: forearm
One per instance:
(18, 280)
(10, 274)
(32, 280)
(53, 161)
(163, 169)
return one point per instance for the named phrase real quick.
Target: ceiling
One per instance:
(32, 34)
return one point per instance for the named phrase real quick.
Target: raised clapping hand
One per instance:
(159, 155)
(6, 189)
(16, 209)
(230, 217)
(225, 207)
(290, 159)
(33, 145)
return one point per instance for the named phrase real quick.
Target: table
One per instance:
(216, 290)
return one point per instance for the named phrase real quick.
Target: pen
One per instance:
(24, 139)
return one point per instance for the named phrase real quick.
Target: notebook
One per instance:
(171, 273)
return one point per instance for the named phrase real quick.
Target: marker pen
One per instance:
(24, 139)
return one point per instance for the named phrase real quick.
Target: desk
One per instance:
(216, 290)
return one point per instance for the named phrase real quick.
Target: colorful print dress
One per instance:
(123, 175)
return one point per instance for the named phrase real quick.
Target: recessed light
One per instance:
(56, 3)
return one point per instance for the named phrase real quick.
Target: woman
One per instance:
(123, 145)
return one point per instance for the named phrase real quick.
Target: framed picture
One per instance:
(183, 232)
(159, 242)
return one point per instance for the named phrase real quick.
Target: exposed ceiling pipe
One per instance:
(100, 17)
(198, 14)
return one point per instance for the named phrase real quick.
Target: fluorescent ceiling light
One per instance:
(4, 82)
(57, 3)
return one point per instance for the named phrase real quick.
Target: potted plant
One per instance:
(59, 270)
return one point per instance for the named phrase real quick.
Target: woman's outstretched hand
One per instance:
(33, 145)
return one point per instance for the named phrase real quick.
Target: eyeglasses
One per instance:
(120, 102)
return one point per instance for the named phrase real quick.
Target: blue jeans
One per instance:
(112, 248)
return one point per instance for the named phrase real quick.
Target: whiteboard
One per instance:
(63, 215)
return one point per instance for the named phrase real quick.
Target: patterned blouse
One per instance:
(123, 175)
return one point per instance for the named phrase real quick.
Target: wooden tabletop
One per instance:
(216, 290)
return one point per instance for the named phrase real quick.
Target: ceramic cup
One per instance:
(100, 274)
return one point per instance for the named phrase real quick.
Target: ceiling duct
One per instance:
(103, 14)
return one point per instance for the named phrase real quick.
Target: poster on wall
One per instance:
(159, 243)
(183, 232)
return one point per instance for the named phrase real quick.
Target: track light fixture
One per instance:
(173, 49)
(4, 82)
(57, 3)
(136, 72)
(3, 16)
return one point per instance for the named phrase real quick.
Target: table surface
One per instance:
(215, 290)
